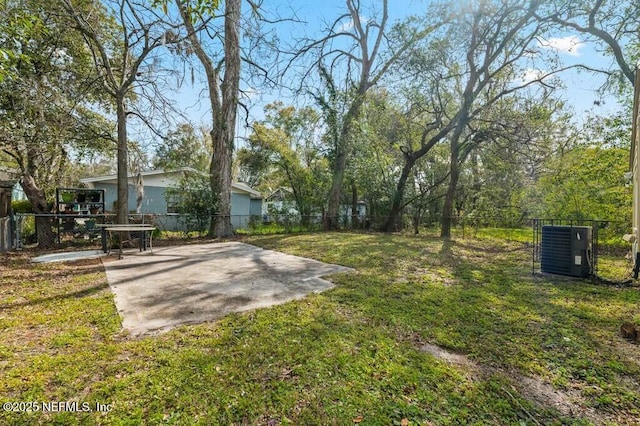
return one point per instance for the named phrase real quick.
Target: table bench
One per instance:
(104, 234)
(122, 229)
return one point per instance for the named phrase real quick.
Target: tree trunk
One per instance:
(417, 219)
(475, 179)
(224, 104)
(365, 82)
(340, 163)
(223, 143)
(354, 205)
(335, 193)
(36, 197)
(139, 190)
(122, 210)
(396, 205)
(447, 210)
(305, 217)
(220, 171)
(302, 207)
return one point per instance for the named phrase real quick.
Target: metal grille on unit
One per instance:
(566, 250)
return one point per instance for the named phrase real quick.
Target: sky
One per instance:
(314, 16)
(581, 87)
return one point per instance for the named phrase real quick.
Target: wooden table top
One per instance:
(121, 228)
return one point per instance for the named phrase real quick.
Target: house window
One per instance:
(173, 203)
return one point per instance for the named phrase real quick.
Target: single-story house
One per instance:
(280, 203)
(18, 192)
(346, 211)
(6, 228)
(8, 175)
(245, 201)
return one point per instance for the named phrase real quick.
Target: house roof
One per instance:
(244, 187)
(108, 178)
(238, 186)
(281, 192)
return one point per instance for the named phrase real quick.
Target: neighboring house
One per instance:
(18, 192)
(8, 174)
(281, 203)
(361, 211)
(6, 229)
(245, 201)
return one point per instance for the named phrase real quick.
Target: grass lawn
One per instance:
(354, 354)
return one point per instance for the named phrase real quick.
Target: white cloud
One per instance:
(250, 93)
(531, 74)
(569, 45)
(346, 27)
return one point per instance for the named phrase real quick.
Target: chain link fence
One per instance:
(609, 256)
(63, 230)
(609, 253)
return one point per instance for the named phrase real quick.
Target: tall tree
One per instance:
(475, 59)
(427, 120)
(122, 54)
(612, 25)
(495, 38)
(42, 114)
(184, 147)
(375, 162)
(348, 73)
(522, 134)
(287, 138)
(223, 83)
(16, 23)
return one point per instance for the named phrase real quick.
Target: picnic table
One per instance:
(122, 230)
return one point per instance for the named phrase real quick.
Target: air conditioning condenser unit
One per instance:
(566, 250)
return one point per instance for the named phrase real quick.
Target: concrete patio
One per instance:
(202, 282)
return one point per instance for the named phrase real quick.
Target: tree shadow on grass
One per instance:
(42, 300)
(499, 314)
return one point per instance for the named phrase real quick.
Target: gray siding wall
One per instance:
(240, 210)
(153, 202)
(242, 206)
(171, 222)
(256, 207)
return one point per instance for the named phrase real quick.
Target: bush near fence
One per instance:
(612, 251)
(609, 232)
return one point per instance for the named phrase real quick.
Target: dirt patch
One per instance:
(427, 275)
(530, 388)
(545, 395)
(450, 357)
(438, 277)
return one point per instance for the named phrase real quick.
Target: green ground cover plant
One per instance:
(354, 354)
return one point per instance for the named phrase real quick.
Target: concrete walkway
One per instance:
(67, 256)
(203, 282)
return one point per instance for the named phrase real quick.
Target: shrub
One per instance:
(196, 202)
(22, 206)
